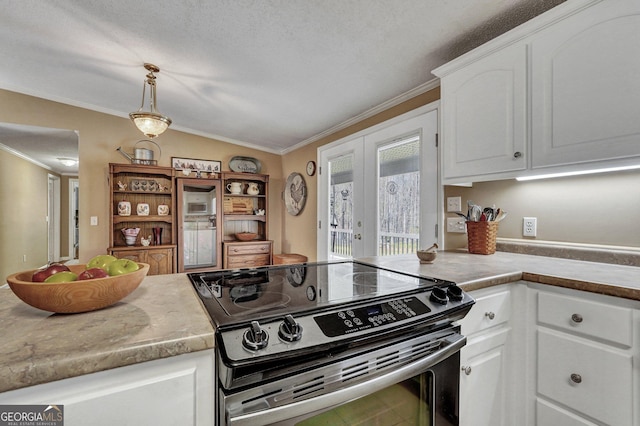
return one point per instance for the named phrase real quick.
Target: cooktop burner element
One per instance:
(236, 296)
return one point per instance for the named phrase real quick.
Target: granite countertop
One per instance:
(475, 271)
(161, 318)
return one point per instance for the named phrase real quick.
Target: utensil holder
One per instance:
(482, 237)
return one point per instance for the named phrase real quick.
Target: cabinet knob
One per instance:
(517, 154)
(577, 318)
(490, 315)
(466, 369)
(576, 378)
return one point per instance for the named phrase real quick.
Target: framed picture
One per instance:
(209, 166)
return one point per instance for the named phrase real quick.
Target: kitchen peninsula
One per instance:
(163, 319)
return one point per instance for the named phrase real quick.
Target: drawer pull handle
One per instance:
(576, 378)
(467, 369)
(490, 315)
(577, 318)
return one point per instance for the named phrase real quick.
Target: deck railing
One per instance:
(390, 243)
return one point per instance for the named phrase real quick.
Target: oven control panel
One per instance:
(359, 319)
(277, 336)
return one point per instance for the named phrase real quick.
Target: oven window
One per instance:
(403, 404)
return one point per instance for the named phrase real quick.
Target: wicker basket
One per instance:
(482, 237)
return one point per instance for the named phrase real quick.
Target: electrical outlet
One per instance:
(456, 224)
(454, 204)
(529, 226)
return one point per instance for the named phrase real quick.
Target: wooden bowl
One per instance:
(76, 296)
(246, 236)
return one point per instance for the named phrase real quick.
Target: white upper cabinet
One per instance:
(585, 83)
(558, 93)
(484, 122)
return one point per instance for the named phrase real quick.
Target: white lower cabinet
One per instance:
(586, 349)
(176, 391)
(484, 398)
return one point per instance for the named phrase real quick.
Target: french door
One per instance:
(377, 190)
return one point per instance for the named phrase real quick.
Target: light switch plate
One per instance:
(454, 204)
(456, 224)
(94, 220)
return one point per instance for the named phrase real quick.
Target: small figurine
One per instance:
(122, 186)
(162, 188)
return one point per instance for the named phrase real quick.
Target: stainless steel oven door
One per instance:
(417, 378)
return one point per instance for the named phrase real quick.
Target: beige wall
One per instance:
(599, 209)
(23, 225)
(99, 136)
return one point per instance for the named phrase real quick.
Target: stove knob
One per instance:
(454, 292)
(439, 295)
(255, 337)
(290, 330)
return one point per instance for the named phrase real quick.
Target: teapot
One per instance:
(253, 189)
(234, 187)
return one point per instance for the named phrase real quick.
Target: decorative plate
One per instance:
(295, 193)
(245, 165)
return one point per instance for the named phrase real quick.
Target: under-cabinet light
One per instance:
(576, 173)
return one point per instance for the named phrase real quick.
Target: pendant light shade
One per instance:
(151, 123)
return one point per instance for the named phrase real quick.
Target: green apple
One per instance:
(101, 261)
(122, 266)
(62, 277)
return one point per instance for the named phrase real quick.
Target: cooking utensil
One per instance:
(489, 214)
(500, 216)
(476, 212)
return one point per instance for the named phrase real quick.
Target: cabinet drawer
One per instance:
(604, 387)
(252, 248)
(247, 261)
(489, 311)
(593, 319)
(548, 414)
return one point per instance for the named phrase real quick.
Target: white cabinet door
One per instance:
(483, 380)
(171, 391)
(484, 116)
(585, 88)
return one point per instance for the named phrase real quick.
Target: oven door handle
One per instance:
(273, 415)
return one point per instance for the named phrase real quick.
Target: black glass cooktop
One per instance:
(237, 296)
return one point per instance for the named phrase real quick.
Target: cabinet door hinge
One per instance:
(436, 230)
(319, 224)
(436, 140)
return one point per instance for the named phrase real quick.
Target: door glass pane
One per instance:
(399, 197)
(402, 404)
(341, 207)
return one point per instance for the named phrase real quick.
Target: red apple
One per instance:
(92, 273)
(43, 273)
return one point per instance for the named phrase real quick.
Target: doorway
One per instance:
(53, 219)
(378, 189)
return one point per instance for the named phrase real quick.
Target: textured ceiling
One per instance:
(271, 74)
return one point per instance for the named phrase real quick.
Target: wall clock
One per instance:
(295, 193)
(311, 168)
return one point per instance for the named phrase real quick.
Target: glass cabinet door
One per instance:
(198, 231)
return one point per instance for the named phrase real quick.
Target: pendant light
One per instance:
(150, 123)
